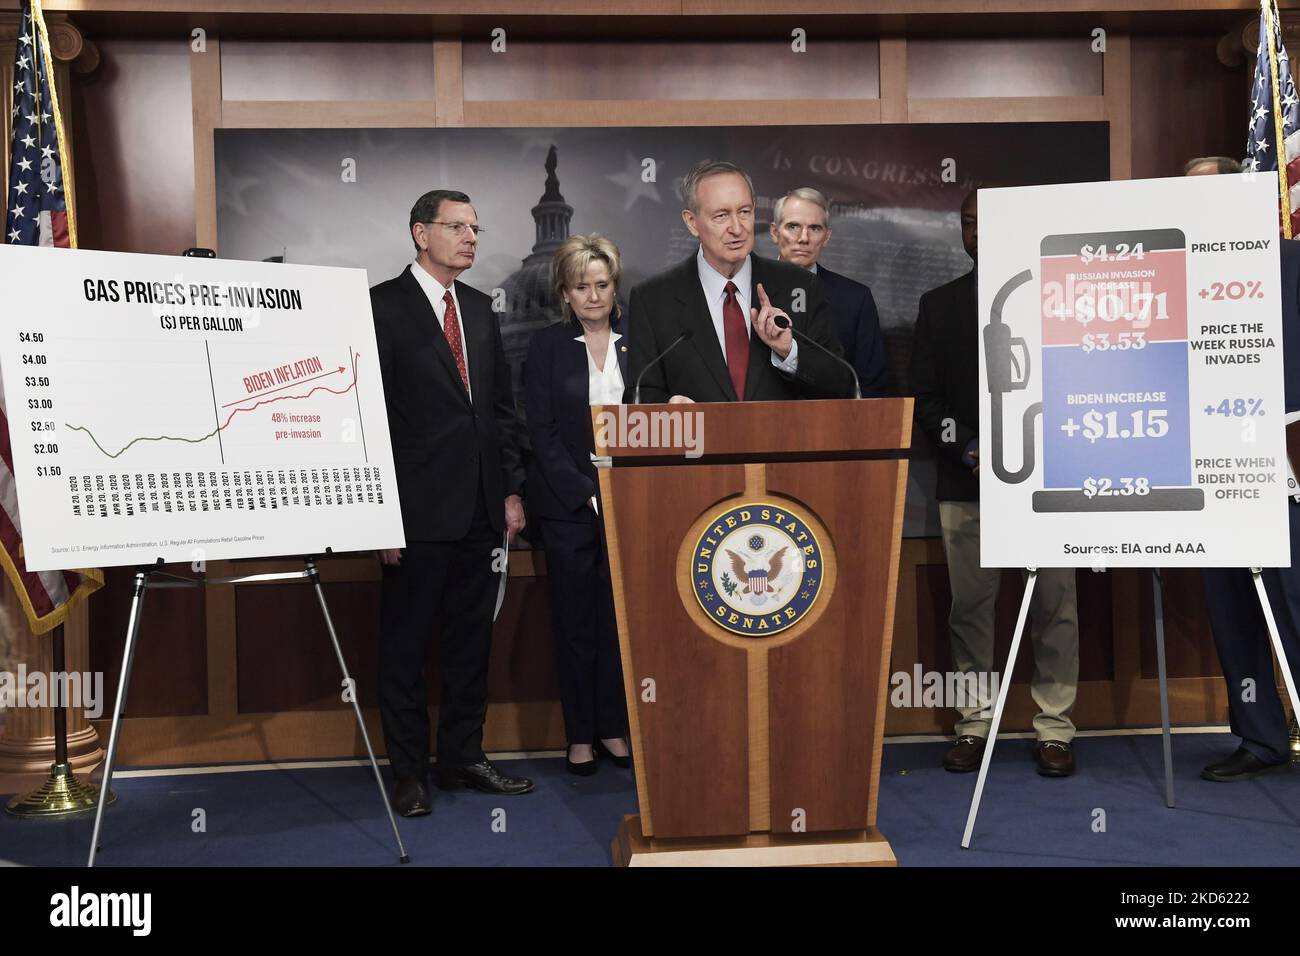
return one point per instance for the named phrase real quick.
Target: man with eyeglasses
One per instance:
(801, 230)
(457, 450)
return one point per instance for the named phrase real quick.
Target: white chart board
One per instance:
(191, 409)
(1131, 375)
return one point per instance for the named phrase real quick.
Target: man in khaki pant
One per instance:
(945, 378)
(1055, 638)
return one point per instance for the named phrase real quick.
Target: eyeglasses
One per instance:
(456, 228)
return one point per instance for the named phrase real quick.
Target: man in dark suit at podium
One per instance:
(457, 449)
(726, 301)
(801, 230)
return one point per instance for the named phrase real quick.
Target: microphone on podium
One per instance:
(636, 392)
(784, 323)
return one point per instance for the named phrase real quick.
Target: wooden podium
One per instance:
(754, 550)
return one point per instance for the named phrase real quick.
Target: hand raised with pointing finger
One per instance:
(763, 320)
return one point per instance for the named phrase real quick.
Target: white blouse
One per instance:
(604, 387)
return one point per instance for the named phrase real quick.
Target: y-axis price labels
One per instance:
(191, 409)
(1132, 366)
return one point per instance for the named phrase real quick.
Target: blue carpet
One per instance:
(333, 817)
(1028, 820)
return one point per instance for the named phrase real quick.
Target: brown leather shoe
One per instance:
(965, 755)
(1055, 758)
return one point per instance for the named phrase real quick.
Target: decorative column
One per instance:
(1238, 46)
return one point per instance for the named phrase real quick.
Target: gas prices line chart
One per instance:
(191, 409)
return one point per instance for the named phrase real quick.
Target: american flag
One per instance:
(1275, 116)
(36, 215)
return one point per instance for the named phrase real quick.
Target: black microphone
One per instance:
(636, 392)
(784, 323)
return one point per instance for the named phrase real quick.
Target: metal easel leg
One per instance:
(1276, 639)
(1004, 685)
(128, 658)
(1157, 590)
(314, 575)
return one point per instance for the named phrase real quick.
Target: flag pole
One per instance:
(92, 579)
(38, 17)
(63, 795)
(1284, 192)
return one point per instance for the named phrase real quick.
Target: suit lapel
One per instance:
(696, 317)
(970, 299)
(966, 314)
(759, 354)
(829, 280)
(576, 378)
(620, 350)
(575, 362)
(576, 357)
(478, 335)
(430, 330)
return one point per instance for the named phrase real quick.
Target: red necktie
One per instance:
(733, 328)
(451, 329)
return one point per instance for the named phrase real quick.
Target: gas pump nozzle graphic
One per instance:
(1112, 375)
(1005, 375)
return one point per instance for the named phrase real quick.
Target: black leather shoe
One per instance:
(1055, 758)
(1242, 765)
(965, 755)
(411, 798)
(583, 769)
(604, 753)
(482, 776)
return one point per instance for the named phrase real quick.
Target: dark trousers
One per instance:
(1245, 651)
(450, 587)
(585, 631)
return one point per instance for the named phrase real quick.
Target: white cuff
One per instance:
(791, 362)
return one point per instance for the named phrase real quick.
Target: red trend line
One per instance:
(283, 387)
(282, 398)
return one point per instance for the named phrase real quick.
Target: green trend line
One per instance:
(190, 441)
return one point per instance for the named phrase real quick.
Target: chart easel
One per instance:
(153, 577)
(1004, 686)
(1157, 589)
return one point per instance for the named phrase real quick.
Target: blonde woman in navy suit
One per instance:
(579, 362)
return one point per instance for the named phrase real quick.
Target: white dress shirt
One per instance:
(436, 291)
(714, 284)
(604, 386)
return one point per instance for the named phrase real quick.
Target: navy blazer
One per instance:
(561, 477)
(857, 326)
